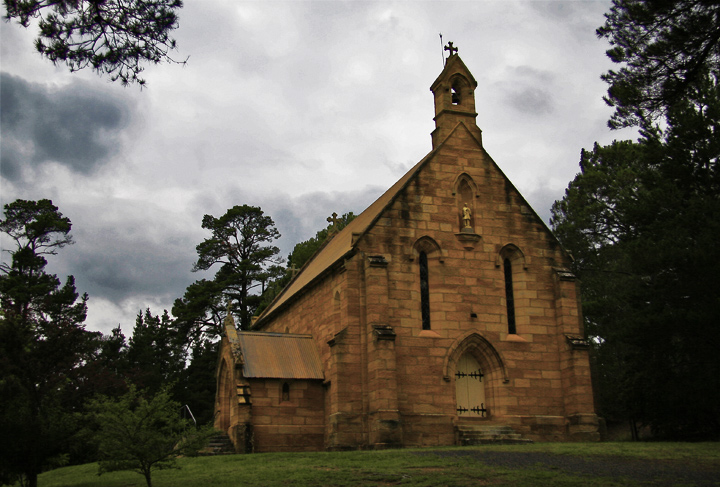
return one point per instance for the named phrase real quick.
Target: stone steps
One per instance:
(218, 445)
(489, 435)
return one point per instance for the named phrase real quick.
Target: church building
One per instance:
(446, 309)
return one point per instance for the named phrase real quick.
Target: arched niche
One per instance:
(466, 178)
(465, 191)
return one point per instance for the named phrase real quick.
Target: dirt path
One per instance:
(645, 472)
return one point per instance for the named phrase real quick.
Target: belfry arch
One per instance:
(459, 90)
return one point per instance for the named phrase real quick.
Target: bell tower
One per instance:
(454, 92)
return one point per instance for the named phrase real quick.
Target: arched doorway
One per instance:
(470, 388)
(224, 398)
(478, 371)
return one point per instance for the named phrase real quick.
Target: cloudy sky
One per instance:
(302, 108)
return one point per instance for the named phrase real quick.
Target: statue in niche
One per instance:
(467, 215)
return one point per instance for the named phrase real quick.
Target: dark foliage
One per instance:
(113, 37)
(643, 221)
(156, 352)
(240, 245)
(666, 47)
(43, 345)
(143, 432)
(196, 387)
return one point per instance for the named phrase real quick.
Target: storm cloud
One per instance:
(74, 125)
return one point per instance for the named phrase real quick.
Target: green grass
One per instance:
(408, 467)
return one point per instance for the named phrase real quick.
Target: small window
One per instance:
(285, 392)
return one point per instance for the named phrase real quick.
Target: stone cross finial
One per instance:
(449, 47)
(334, 220)
(293, 270)
(229, 317)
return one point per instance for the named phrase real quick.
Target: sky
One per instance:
(303, 108)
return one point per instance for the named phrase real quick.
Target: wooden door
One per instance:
(470, 388)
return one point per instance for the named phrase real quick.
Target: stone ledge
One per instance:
(515, 338)
(429, 334)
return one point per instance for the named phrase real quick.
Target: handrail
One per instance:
(191, 414)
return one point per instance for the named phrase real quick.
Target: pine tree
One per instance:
(43, 343)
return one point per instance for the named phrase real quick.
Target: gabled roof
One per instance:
(453, 64)
(279, 356)
(344, 242)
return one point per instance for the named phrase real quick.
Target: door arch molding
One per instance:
(475, 343)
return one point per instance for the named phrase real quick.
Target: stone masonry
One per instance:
(416, 285)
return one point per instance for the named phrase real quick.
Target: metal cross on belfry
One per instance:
(449, 47)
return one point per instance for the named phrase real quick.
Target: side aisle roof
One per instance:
(279, 356)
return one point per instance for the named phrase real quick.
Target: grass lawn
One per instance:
(451, 466)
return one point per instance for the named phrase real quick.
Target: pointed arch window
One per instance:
(509, 296)
(428, 254)
(424, 290)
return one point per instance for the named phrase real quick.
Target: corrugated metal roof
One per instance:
(279, 356)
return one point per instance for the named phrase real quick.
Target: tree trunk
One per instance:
(634, 430)
(32, 479)
(147, 477)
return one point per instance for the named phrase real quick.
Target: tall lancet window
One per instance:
(509, 298)
(424, 291)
